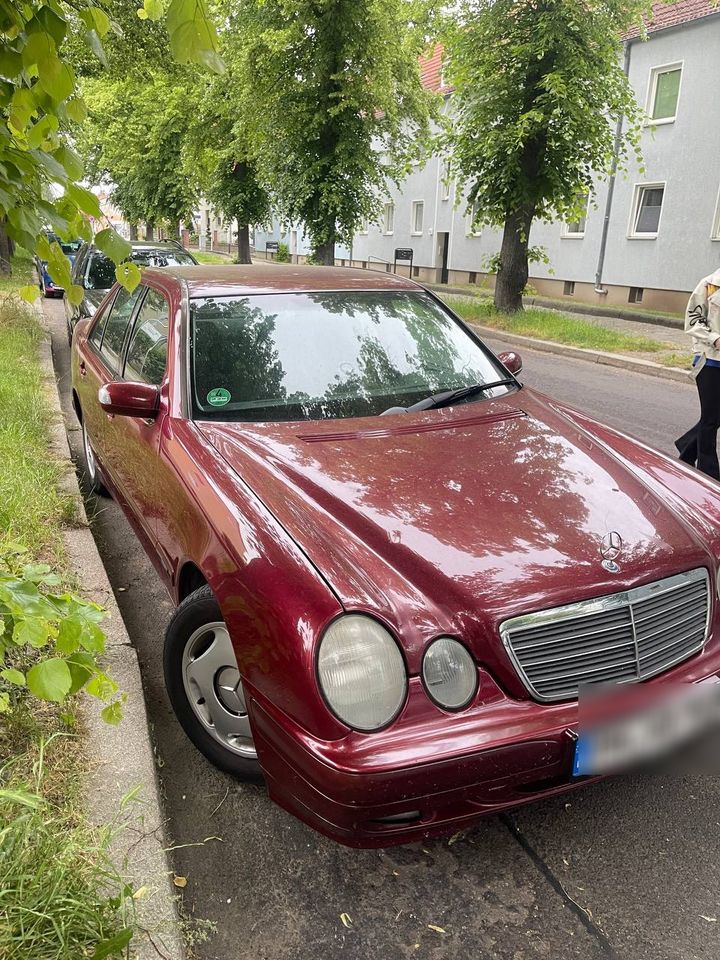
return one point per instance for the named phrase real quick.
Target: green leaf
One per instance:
(92, 638)
(53, 24)
(22, 108)
(13, 676)
(29, 293)
(114, 945)
(101, 687)
(11, 63)
(85, 200)
(95, 43)
(75, 294)
(39, 49)
(70, 161)
(112, 245)
(69, 633)
(128, 274)
(76, 110)
(82, 667)
(57, 79)
(112, 713)
(23, 798)
(4, 702)
(50, 680)
(33, 632)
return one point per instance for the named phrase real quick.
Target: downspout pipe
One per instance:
(611, 182)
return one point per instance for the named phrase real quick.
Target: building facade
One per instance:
(648, 236)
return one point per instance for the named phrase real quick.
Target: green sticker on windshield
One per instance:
(218, 397)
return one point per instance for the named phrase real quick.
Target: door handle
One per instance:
(83, 368)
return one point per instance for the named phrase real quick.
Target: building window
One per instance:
(576, 228)
(646, 210)
(389, 218)
(715, 235)
(473, 228)
(472, 276)
(418, 212)
(569, 288)
(663, 93)
(363, 227)
(636, 294)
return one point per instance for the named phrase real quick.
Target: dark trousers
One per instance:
(698, 446)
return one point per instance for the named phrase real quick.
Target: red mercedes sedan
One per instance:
(396, 569)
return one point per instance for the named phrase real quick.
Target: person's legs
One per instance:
(708, 382)
(687, 445)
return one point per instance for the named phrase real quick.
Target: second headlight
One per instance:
(449, 674)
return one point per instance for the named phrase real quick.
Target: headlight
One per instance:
(361, 672)
(449, 673)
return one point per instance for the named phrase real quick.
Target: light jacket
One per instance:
(702, 317)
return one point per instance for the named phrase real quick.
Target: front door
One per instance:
(443, 244)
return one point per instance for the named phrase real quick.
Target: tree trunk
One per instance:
(5, 249)
(513, 272)
(150, 230)
(133, 231)
(325, 253)
(243, 243)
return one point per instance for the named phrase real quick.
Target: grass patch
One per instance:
(32, 510)
(203, 257)
(553, 325)
(59, 897)
(22, 272)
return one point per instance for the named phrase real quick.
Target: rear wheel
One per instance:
(205, 687)
(91, 469)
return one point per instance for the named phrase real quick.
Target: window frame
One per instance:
(655, 72)
(446, 181)
(131, 333)
(638, 190)
(103, 357)
(413, 231)
(389, 221)
(567, 234)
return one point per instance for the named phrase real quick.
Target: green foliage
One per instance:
(60, 896)
(552, 87)
(134, 136)
(334, 103)
(49, 642)
(283, 253)
(40, 106)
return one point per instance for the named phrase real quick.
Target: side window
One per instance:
(96, 334)
(116, 326)
(147, 353)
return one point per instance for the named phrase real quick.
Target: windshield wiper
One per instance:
(448, 397)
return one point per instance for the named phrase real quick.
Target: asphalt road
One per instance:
(629, 868)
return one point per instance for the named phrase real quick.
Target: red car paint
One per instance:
(444, 522)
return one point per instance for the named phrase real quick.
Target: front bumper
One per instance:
(429, 774)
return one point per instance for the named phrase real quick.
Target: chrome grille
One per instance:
(621, 638)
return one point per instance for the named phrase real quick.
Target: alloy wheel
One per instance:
(214, 689)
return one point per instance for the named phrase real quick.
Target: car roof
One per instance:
(219, 280)
(148, 245)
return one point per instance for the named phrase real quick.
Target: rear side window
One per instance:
(116, 327)
(147, 353)
(100, 272)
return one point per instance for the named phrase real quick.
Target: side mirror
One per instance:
(511, 360)
(129, 399)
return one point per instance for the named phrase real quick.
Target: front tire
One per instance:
(205, 687)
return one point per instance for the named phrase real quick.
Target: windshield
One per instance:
(101, 270)
(314, 356)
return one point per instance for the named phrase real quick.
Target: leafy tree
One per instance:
(220, 154)
(336, 105)
(539, 87)
(39, 169)
(134, 136)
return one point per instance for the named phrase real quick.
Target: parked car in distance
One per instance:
(46, 283)
(396, 568)
(95, 272)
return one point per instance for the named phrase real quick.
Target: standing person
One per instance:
(698, 446)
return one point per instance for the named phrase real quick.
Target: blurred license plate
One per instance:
(634, 727)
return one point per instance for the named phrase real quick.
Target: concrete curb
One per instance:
(122, 759)
(635, 365)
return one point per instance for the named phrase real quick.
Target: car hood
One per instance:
(458, 518)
